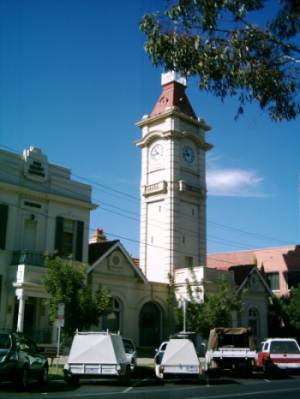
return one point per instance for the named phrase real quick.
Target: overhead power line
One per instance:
(115, 192)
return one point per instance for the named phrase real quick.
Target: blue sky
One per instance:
(74, 80)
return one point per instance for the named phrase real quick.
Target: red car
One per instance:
(279, 354)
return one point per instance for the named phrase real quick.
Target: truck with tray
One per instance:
(230, 349)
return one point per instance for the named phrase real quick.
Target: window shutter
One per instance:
(79, 241)
(3, 224)
(58, 243)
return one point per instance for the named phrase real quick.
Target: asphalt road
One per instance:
(255, 387)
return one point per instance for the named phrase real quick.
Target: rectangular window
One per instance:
(189, 262)
(273, 280)
(69, 238)
(293, 279)
(3, 225)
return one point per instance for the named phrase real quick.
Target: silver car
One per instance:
(130, 351)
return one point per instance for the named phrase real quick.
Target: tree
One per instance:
(291, 306)
(218, 307)
(218, 42)
(65, 282)
(216, 311)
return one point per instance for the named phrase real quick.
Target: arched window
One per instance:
(253, 320)
(112, 321)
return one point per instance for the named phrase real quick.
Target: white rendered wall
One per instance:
(173, 218)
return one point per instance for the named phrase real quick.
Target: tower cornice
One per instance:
(174, 134)
(173, 112)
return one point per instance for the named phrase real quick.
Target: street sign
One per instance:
(61, 315)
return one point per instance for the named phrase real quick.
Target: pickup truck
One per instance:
(230, 349)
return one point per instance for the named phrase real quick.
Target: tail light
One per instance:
(161, 369)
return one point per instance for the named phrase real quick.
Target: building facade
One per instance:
(280, 266)
(140, 307)
(42, 210)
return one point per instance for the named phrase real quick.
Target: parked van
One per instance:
(96, 355)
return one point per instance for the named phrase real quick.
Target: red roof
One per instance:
(173, 95)
(277, 258)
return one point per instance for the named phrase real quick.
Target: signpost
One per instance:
(182, 304)
(60, 324)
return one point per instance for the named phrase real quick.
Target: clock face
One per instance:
(157, 151)
(188, 154)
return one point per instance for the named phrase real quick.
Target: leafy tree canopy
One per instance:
(218, 307)
(66, 283)
(233, 49)
(291, 306)
(216, 311)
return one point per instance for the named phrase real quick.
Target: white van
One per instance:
(177, 358)
(96, 355)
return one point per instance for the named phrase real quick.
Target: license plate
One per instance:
(92, 370)
(192, 369)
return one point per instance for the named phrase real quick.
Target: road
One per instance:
(256, 387)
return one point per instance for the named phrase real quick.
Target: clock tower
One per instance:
(173, 187)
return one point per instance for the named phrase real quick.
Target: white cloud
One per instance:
(234, 183)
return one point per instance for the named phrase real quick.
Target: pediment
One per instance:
(117, 262)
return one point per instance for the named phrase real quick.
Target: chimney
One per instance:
(98, 237)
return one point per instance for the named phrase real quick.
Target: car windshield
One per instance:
(284, 346)
(129, 348)
(158, 357)
(4, 343)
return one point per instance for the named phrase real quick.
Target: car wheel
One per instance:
(43, 378)
(125, 379)
(23, 378)
(71, 380)
(267, 370)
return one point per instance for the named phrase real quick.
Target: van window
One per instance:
(284, 347)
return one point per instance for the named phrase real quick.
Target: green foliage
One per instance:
(65, 282)
(291, 306)
(218, 307)
(216, 41)
(216, 311)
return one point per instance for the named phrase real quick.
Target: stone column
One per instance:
(21, 309)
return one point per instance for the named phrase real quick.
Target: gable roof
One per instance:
(97, 249)
(254, 270)
(100, 250)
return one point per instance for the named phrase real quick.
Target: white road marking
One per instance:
(134, 385)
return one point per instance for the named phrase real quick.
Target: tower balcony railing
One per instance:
(27, 257)
(155, 188)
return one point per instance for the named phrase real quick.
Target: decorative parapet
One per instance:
(155, 188)
(189, 281)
